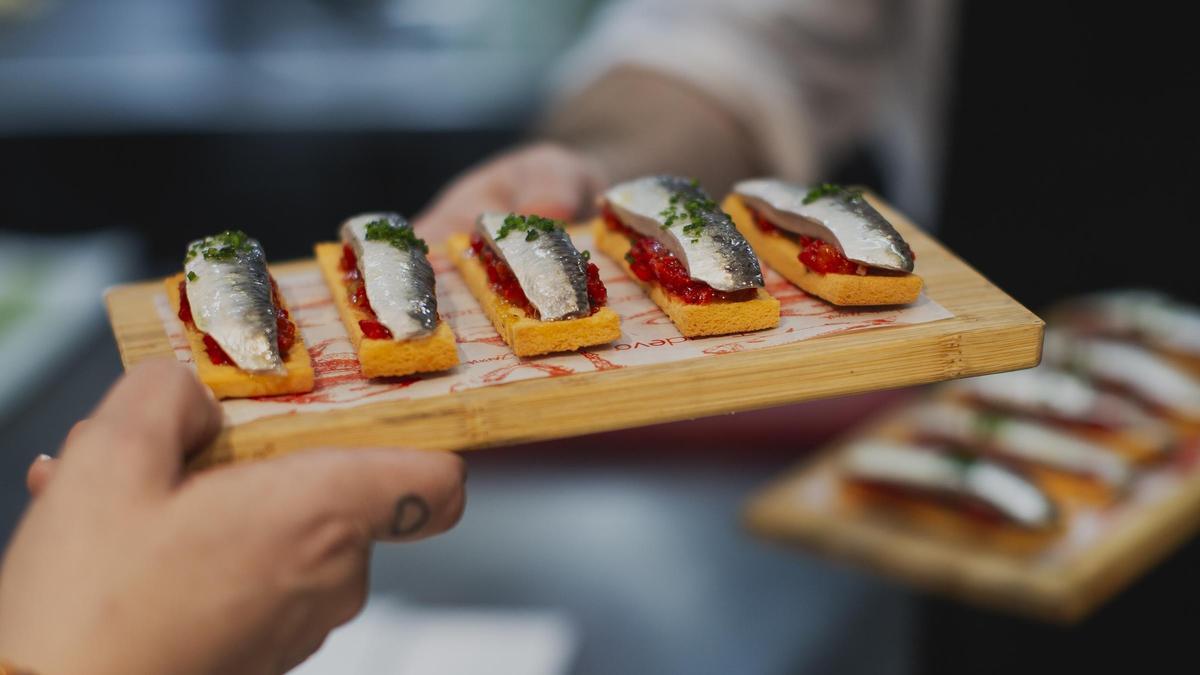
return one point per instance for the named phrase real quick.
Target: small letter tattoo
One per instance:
(412, 514)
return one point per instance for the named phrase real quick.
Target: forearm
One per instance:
(635, 121)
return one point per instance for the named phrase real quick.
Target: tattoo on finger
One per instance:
(412, 514)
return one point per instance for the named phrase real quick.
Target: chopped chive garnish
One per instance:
(221, 247)
(830, 190)
(532, 226)
(693, 209)
(399, 235)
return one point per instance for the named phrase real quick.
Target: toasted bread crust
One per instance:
(228, 381)
(525, 335)
(714, 318)
(782, 254)
(384, 358)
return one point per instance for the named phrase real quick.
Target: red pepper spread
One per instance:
(357, 292)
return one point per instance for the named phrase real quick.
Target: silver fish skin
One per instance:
(846, 220)
(1146, 315)
(1023, 441)
(716, 254)
(1130, 367)
(934, 471)
(1054, 393)
(550, 270)
(399, 283)
(231, 301)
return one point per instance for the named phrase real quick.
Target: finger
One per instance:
(39, 474)
(559, 190)
(156, 415)
(455, 209)
(446, 219)
(380, 494)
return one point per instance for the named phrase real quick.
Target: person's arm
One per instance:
(635, 121)
(125, 564)
(714, 89)
(594, 139)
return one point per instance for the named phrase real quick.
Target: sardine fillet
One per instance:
(849, 290)
(527, 336)
(710, 247)
(385, 358)
(230, 382)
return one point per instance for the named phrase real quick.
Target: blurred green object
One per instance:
(18, 285)
(52, 301)
(16, 9)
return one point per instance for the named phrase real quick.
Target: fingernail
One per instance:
(43, 458)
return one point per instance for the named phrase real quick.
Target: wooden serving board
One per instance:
(989, 332)
(1088, 563)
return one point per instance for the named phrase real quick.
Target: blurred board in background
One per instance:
(1107, 429)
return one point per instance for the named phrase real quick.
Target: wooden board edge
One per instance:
(959, 348)
(1121, 559)
(138, 297)
(475, 418)
(1061, 594)
(927, 242)
(993, 332)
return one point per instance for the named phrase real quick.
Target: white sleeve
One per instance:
(801, 76)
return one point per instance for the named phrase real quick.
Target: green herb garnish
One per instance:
(962, 459)
(629, 257)
(830, 190)
(586, 255)
(221, 247)
(671, 213)
(398, 235)
(192, 276)
(986, 424)
(693, 209)
(532, 226)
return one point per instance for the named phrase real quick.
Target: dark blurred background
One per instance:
(1071, 137)
(1070, 167)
